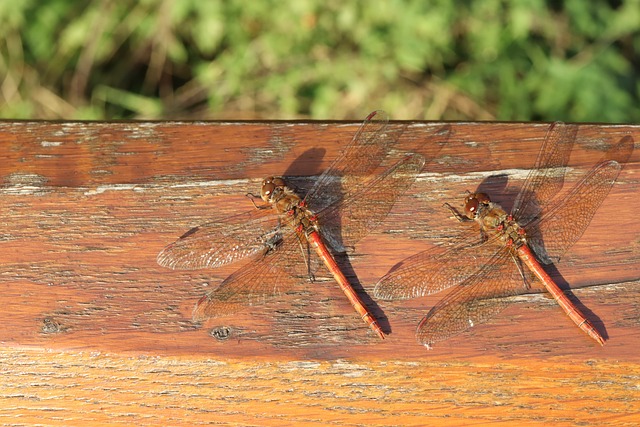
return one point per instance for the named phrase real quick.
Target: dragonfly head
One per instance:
(473, 202)
(271, 187)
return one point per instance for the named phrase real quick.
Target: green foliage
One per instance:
(494, 59)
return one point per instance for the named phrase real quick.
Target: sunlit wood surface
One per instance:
(94, 332)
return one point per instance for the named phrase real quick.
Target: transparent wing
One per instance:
(546, 178)
(434, 270)
(360, 158)
(343, 224)
(563, 224)
(268, 276)
(219, 243)
(476, 300)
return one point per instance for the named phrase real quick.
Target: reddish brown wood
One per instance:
(87, 207)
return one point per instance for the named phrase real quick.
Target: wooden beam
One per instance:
(95, 331)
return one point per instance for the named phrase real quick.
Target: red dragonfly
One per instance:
(511, 246)
(345, 203)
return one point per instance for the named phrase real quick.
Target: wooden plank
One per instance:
(95, 331)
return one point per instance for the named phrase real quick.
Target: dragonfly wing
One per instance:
(344, 223)
(546, 178)
(559, 228)
(474, 301)
(360, 158)
(267, 277)
(219, 243)
(434, 270)
(563, 224)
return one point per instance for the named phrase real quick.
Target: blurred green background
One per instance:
(571, 60)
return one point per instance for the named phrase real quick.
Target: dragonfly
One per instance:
(507, 256)
(282, 233)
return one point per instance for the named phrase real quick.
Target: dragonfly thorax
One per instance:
(493, 220)
(284, 200)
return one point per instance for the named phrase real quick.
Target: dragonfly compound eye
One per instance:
(269, 185)
(267, 188)
(472, 202)
(471, 207)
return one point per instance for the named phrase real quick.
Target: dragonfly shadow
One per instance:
(500, 192)
(496, 187)
(308, 163)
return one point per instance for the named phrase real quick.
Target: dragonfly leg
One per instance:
(463, 218)
(305, 249)
(457, 215)
(521, 270)
(252, 197)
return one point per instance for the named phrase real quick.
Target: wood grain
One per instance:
(94, 331)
